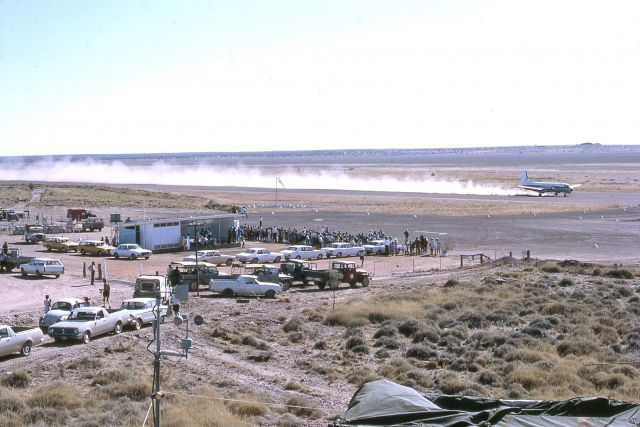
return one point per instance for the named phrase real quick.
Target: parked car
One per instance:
(302, 252)
(130, 250)
(94, 247)
(269, 274)
(33, 233)
(340, 249)
(244, 285)
(60, 310)
(152, 286)
(15, 339)
(60, 243)
(141, 311)
(212, 257)
(376, 247)
(194, 277)
(298, 270)
(42, 266)
(259, 255)
(86, 323)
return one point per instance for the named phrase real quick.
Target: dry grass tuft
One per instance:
(358, 312)
(192, 412)
(17, 379)
(55, 395)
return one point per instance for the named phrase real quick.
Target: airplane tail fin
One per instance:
(524, 178)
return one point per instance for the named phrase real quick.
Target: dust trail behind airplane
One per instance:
(207, 175)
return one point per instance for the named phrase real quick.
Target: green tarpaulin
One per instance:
(385, 403)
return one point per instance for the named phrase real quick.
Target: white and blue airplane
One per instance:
(544, 187)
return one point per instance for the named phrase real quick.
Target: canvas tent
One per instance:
(385, 403)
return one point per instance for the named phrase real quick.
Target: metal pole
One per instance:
(276, 191)
(156, 369)
(195, 232)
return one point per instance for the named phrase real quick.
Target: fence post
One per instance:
(84, 269)
(99, 271)
(461, 263)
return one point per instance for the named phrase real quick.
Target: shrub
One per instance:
(619, 274)
(290, 420)
(247, 408)
(320, 345)
(385, 331)
(11, 401)
(109, 377)
(421, 352)
(472, 319)
(488, 378)
(550, 267)
(354, 341)
(426, 334)
(297, 337)
(254, 342)
(302, 407)
(17, 379)
(554, 308)
(360, 349)
(449, 383)
(387, 342)
(451, 283)
(137, 391)
(295, 324)
(262, 356)
(361, 376)
(409, 327)
(579, 347)
(55, 395)
(565, 281)
(189, 412)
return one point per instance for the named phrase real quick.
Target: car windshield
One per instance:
(61, 305)
(81, 316)
(133, 305)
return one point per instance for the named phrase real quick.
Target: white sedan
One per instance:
(302, 252)
(259, 255)
(130, 250)
(212, 257)
(42, 266)
(376, 247)
(340, 249)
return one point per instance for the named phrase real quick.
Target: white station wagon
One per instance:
(43, 266)
(130, 250)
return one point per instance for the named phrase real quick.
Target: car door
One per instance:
(101, 323)
(6, 346)
(250, 287)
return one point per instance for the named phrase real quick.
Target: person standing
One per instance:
(175, 304)
(106, 292)
(47, 304)
(92, 270)
(187, 243)
(5, 248)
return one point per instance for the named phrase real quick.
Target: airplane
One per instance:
(544, 187)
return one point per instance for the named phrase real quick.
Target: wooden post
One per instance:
(481, 259)
(99, 271)
(84, 269)
(461, 262)
(510, 254)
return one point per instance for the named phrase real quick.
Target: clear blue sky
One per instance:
(165, 76)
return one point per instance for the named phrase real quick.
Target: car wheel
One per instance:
(286, 285)
(116, 255)
(146, 256)
(48, 248)
(57, 276)
(38, 273)
(228, 262)
(339, 255)
(83, 252)
(26, 349)
(270, 294)
(365, 282)
(305, 282)
(137, 324)
(319, 256)
(24, 273)
(254, 261)
(298, 257)
(57, 340)
(352, 284)
(228, 293)
(118, 328)
(321, 285)
(133, 256)
(277, 259)
(378, 252)
(86, 337)
(328, 255)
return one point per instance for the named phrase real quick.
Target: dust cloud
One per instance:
(165, 173)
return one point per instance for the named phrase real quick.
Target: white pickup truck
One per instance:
(19, 340)
(244, 285)
(141, 311)
(88, 322)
